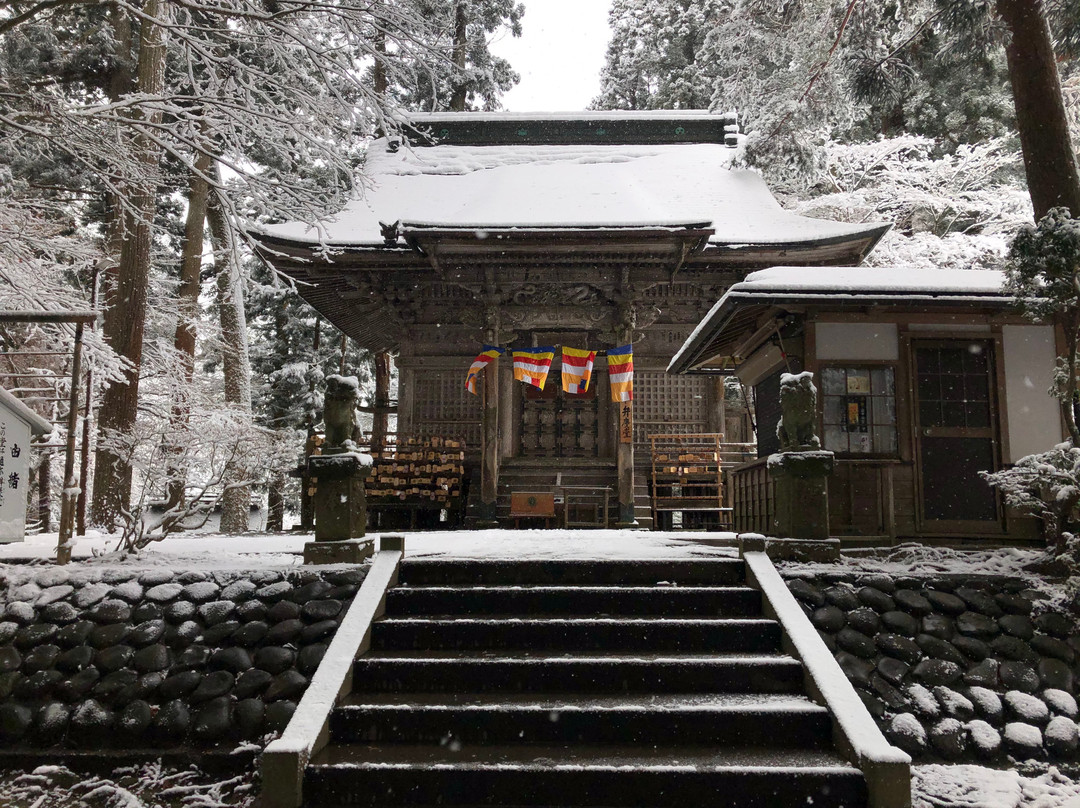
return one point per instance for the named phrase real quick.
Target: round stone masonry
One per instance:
(126, 658)
(955, 668)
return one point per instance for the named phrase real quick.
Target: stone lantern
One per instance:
(339, 473)
(800, 470)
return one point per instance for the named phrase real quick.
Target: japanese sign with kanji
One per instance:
(626, 423)
(14, 473)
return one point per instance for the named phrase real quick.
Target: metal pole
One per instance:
(67, 500)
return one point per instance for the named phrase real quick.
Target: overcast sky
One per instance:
(559, 55)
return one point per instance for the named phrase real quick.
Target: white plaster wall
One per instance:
(1034, 419)
(857, 341)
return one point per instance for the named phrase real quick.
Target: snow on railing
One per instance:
(887, 769)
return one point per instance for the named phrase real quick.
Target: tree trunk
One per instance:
(236, 502)
(44, 492)
(275, 503)
(125, 313)
(461, 28)
(379, 71)
(307, 504)
(1049, 160)
(186, 323)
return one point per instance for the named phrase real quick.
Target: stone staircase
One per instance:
(578, 683)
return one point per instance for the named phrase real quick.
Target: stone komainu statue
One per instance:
(339, 409)
(798, 412)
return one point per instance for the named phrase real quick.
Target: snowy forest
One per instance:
(141, 141)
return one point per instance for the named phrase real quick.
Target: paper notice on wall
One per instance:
(14, 475)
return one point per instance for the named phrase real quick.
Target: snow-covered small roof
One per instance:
(38, 425)
(872, 280)
(833, 286)
(534, 186)
(590, 115)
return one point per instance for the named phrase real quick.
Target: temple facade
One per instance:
(586, 230)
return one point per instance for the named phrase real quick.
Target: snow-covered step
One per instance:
(638, 673)
(579, 635)
(728, 720)
(643, 572)
(572, 775)
(669, 601)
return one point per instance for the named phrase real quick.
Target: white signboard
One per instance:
(14, 474)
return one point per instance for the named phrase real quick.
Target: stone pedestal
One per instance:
(802, 494)
(340, 502)
(346, 551)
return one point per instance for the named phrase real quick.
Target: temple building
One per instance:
(585, 230)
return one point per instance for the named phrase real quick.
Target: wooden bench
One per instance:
(532, 505)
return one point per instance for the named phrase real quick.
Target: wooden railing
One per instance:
(752, 497)
(862, 501)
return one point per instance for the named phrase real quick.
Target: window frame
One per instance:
(869, 364)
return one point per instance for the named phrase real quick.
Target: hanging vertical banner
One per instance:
(621, 372)
(486, 357)
(532, 365)
(626, 422)
(577, 367)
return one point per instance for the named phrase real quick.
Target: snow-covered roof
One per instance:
(839, 286)
(38, 425)
(591, 115)
(872, 280)
(532, 186)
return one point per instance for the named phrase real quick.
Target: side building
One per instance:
(586, 230)
(925, 379)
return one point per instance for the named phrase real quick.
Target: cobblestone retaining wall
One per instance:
(94, 658)
(955, 668)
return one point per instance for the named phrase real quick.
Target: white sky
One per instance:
(559, 55)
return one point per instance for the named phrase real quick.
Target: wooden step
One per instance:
(580, 775)
(668, 601)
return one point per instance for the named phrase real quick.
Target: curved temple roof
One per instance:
(535, 187)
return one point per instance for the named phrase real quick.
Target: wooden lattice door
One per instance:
(555, 423)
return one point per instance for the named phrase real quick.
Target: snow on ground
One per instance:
(578, 544)
(150, 785)
(918, 559)
(940, 786)
(283, 549)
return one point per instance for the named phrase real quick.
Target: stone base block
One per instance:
(816, 550)
(392, 541)
(348, 551)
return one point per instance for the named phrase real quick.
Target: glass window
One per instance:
(859, 407)
(954, 386)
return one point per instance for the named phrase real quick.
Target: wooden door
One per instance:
(555, 423)
(955, 435)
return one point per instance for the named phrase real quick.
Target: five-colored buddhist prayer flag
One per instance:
(576, 369)
(621, 372)
(482, 361)
(532, 365)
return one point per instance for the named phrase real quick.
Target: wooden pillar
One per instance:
(382, 402)
(623, 412)
(506, 412)
(489, 438)
(717, 408)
